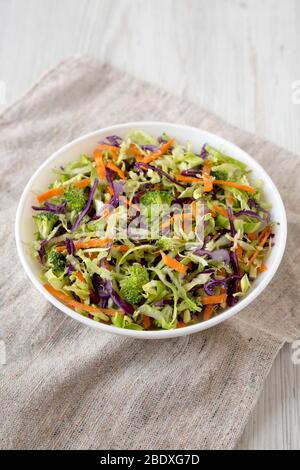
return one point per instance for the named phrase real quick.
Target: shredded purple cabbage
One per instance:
(70, 269)
(145, 166)
(209, 286)
(42, 251)
(152, 148)
(70, 246)
(253, 204)
(249, 214)
(114, 140)
(216, 255)
(104, 289)
(53, 208)
(87, 207)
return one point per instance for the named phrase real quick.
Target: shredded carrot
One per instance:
(93, 243)
(252, 236)
(110, 190)
(239, 251)
(189, 179)
(208, 185)
(173, 263)
(73, 303)
(49, 194)
(60, 191)
(116, 169)
(100, 167)
(133, 150)
(213, 299)
(180, 324)
(208, 311)
(129, 203)
(220, 210)
(160, 152)
(262, 268)
(80, 277)
(122, 248)
(82, 183)
(113, 150)
(233, 184)
(261, 241)
(147, 321)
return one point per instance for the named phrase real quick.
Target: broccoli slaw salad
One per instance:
(149, 233)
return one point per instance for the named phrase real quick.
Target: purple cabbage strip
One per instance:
(253, 204)
(204, 152)
(209, 286)
(233, 285)
(70, 269)
(42, 251)
(70, 246)
(249, 214)
(191, 172)
(104, 287)
(143, 166)
(150, 147)
(87, 207)
(114, 140)
(53, 208)
(216, 255)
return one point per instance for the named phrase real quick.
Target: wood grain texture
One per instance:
(236, 58)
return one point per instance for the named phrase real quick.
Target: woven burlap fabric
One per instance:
(66, 386)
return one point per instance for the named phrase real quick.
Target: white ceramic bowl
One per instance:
(24, 229)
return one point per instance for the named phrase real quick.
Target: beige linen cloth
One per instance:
(67, 386)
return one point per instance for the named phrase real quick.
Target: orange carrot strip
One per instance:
(49, 194)
(208, 311)
(261, 241)
(94, 243)
(82, 183)
(189, 179)
(147, 321)
(73, 303)
(262, 268)
(80, 277)
(100, 167)
(252, 236)
(133, 150)
(160, 152)
(116, 169)
(113, 150)
(233, 184)
(213, 299)
(239, 251)
(180, 324)
(173, 263)
(122, 248)
(60, 191)
(208, 185)
(220, 210)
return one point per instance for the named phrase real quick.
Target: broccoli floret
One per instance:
(57, 261)
(165, 243)
(156, 197)
(76, 199)
(45, 222)
(220, 175)
(132, 284)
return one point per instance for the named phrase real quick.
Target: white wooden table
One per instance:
(236, 58)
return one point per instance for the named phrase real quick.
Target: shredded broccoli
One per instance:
(57, 261)
(45, 222)
(156, 197)
(76, 199)
(132, 284)
(165, 243)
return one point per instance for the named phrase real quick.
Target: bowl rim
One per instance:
(155, 334)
